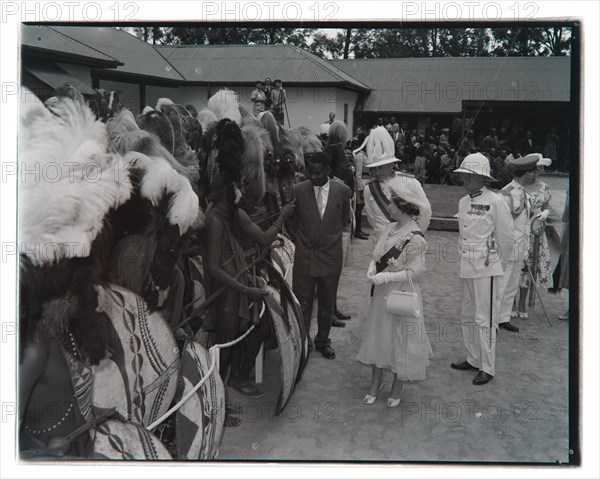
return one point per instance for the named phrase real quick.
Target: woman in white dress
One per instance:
(396, 343)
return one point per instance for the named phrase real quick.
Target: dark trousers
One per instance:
(304, 289)
(358, 217)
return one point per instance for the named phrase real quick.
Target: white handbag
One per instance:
(403, 303)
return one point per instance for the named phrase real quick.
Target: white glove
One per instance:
(543, 215)
(395, 277)
(371, 272)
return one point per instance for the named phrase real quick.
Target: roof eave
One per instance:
(128, 77)
(67, 57)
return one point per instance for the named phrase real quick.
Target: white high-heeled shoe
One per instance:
(368, 400)
(391, 402)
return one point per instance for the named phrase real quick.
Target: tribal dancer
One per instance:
(226, 227)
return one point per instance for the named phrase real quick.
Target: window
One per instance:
(346, 113)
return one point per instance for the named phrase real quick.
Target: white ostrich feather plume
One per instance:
(69, 180)
(158, 179)
(163, 101)
(256, 140)
(379, 144)
(206, 117)
(225, 104)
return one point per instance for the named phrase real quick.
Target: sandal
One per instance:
(368, 400)
(391, 402)
(247, 388)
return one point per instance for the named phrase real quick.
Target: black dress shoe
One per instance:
(464, 366)
(482, 378)
(339, 315)
(336, 323)
(508, 327)
(361, 236)
(326, 352)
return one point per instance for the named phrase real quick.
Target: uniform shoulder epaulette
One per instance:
(506, 190)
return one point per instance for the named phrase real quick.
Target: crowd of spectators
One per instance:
(431, 155)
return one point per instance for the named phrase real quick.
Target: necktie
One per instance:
(320, 200)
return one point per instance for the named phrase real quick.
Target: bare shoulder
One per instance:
(213, 226)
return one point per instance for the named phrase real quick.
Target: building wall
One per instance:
(129, 93)
(81, 72)
(306, 106)
(183, 95)
(349, 98)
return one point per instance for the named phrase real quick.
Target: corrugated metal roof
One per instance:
(44, 38)
(54, 76)
(139, 57)
(439, 85)
(248, 63)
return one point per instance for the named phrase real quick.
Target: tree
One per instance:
(519, 41)
(464, 42)
(555, 40)
(153, 35)
(379, 43)
(324, 46)
(236, 35)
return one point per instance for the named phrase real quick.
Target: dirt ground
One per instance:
(520, 416)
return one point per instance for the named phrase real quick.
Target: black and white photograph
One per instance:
(298, 234)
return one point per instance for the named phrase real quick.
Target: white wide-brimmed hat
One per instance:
(380, 148)
(476, 164)
(411, 191)
(382, 161)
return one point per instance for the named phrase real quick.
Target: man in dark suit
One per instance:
(322, 213)
(526, 146)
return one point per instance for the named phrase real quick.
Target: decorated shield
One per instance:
(118, 440)
(294, 312)
(285, 323)
(140, 376)
(282, 256)
(199, 421)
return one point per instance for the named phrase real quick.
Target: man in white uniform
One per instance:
(520, 208)
(380, 161)
(486, 228)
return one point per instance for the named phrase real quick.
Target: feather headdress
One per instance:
(225, 104)
(158, 178)
(206, 117)
(295, 140)
(310, 141)
(247, 117)
(270, 124)
(161, 102)
(380, 148)
(75, 180)
(229, 145)
(125, 136)
(256, 142)
(170, 122)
